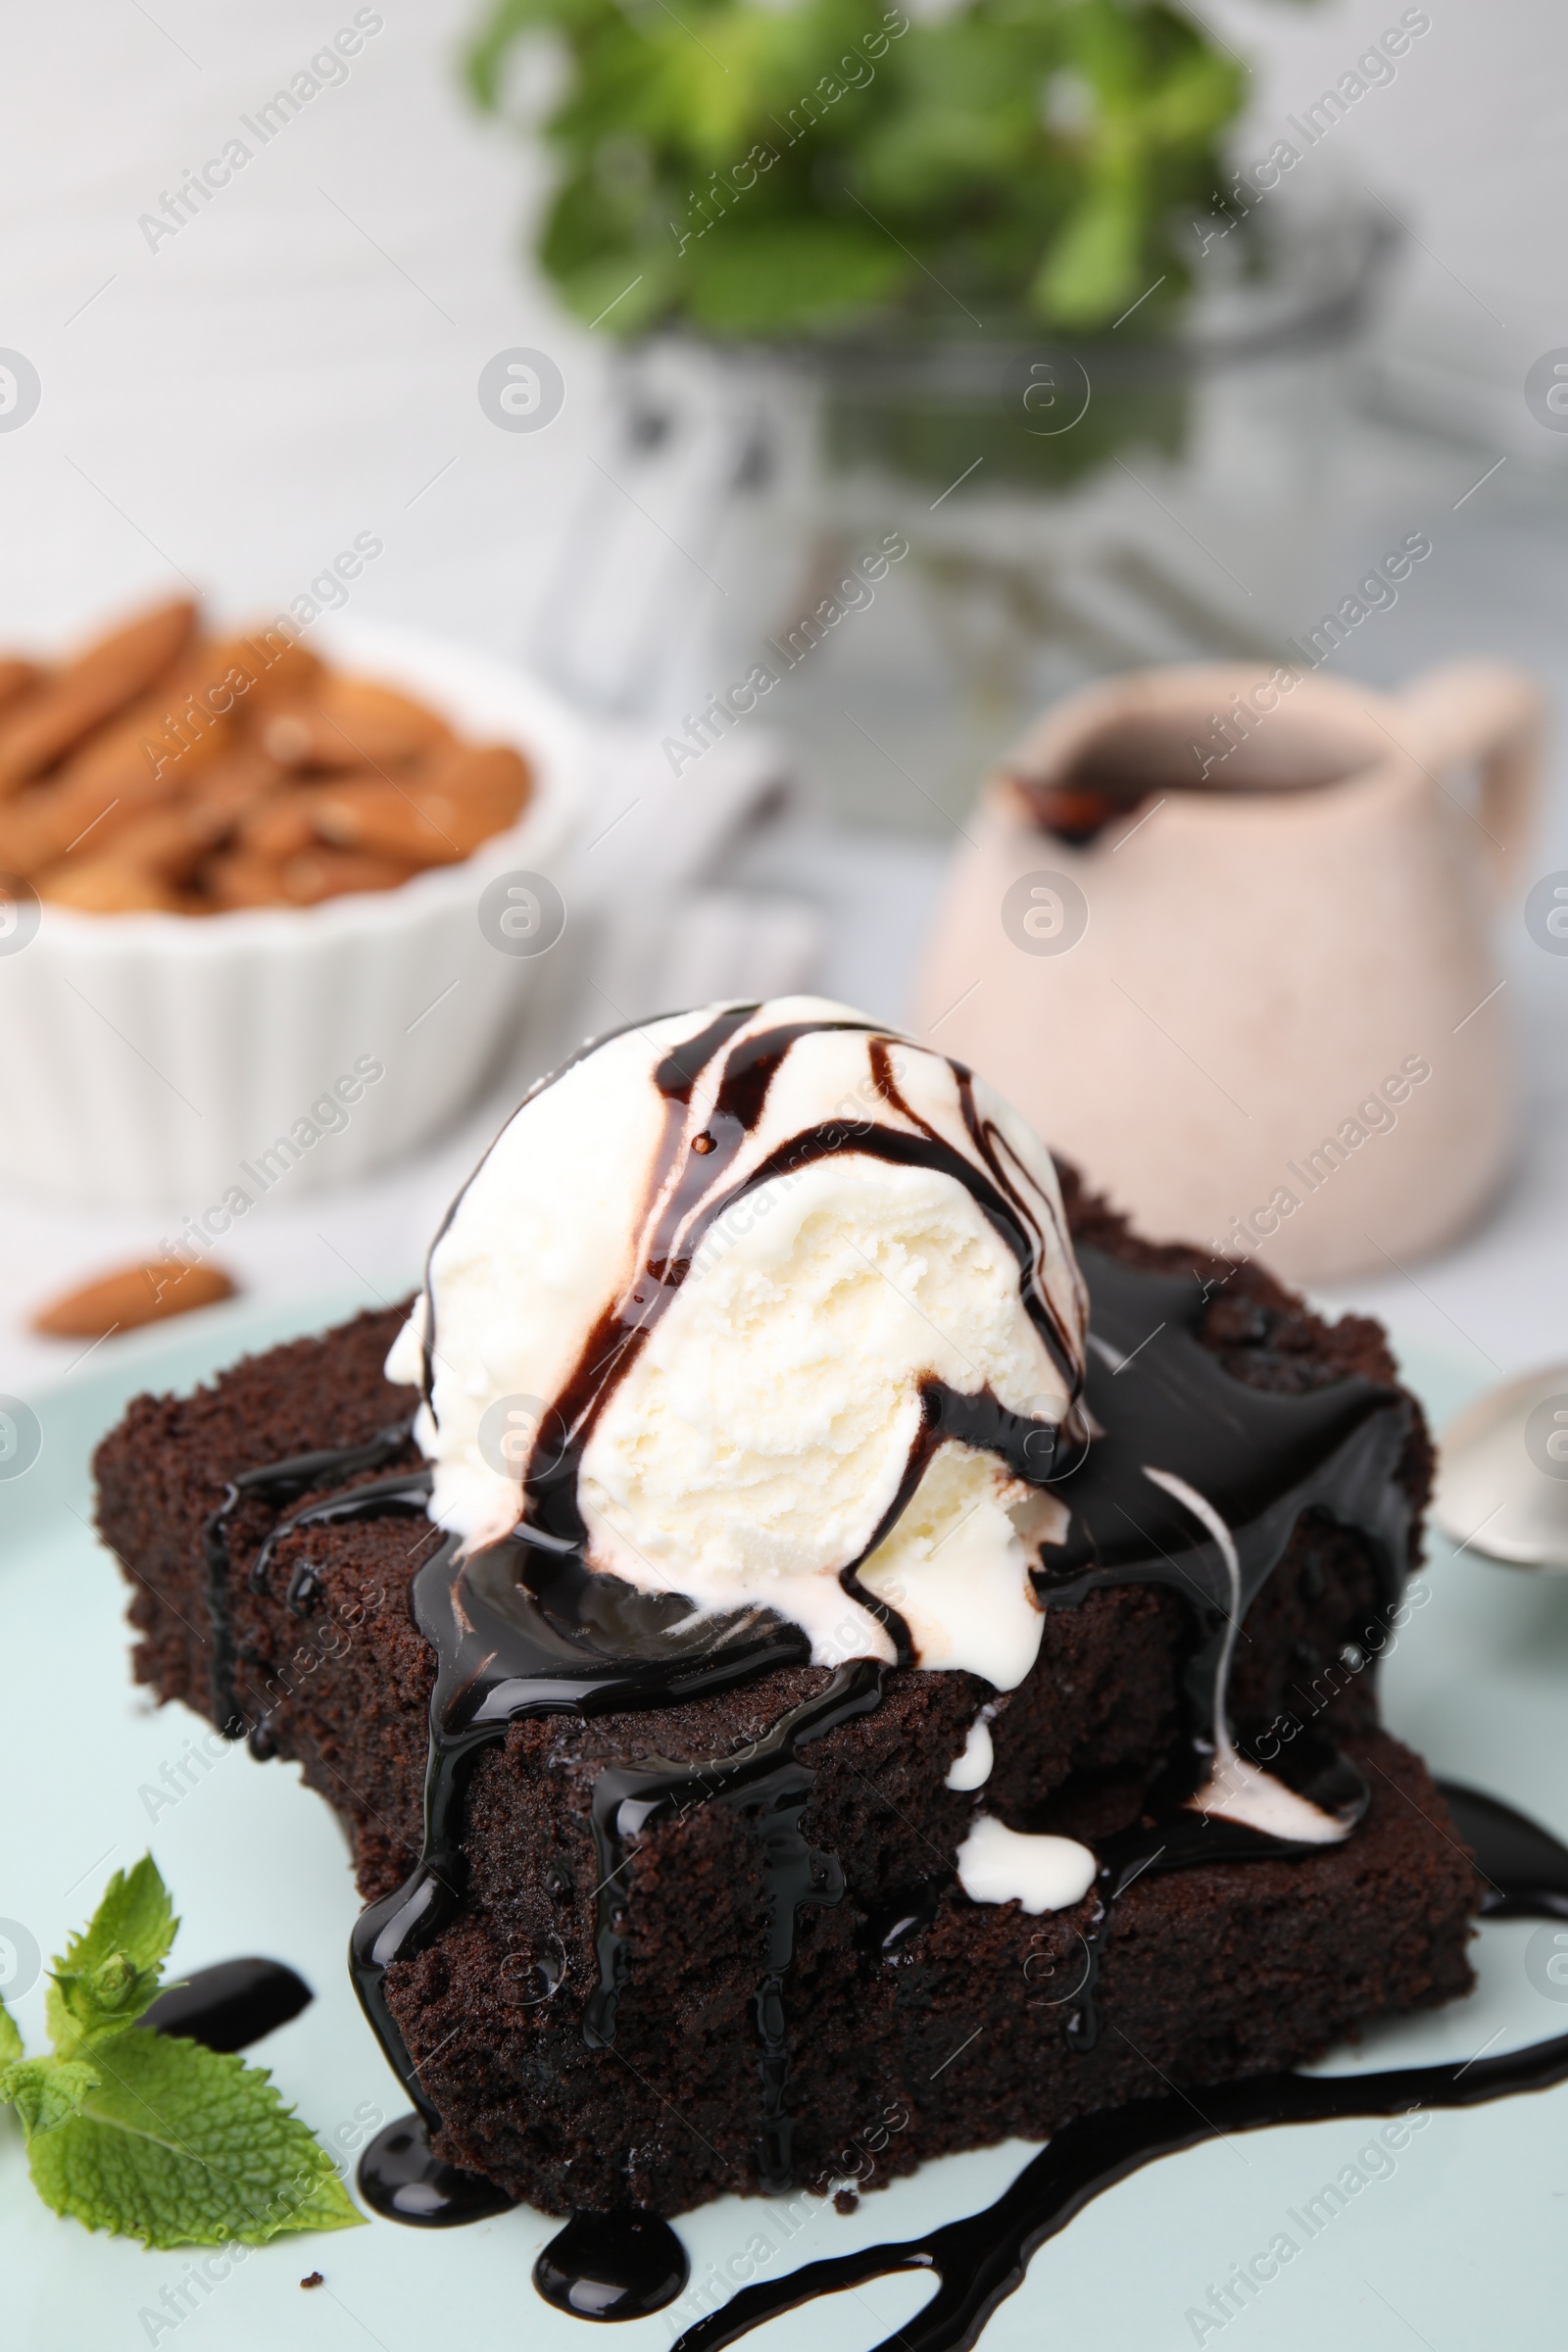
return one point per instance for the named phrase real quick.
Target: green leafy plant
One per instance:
(147, 2135)
(751, 169)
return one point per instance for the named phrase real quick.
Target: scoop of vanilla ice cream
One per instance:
(756, 1440)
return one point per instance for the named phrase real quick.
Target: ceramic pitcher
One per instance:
(1224, 936)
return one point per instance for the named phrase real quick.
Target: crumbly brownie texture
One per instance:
(1213, 1972)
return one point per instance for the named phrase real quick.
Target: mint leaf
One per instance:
(108, 1974)
(151, 2136)
(135, 1916)
(181, 2145)
(86, 2004)
(46, 2091)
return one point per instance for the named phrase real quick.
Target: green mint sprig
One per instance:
(147, 2135)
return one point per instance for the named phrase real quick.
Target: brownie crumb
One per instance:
(845, 2200)
(315, 2279)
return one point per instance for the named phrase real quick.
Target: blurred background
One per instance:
(1116, 337)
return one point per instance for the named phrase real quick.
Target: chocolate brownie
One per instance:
(902, 2011)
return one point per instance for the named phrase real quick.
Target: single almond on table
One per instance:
(135, 1294)
(90, 689)
(353, 722)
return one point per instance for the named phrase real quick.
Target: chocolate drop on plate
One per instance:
(231, 2005)
(612, 2266)
(402, 2178)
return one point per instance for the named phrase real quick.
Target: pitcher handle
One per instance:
(1486, 711)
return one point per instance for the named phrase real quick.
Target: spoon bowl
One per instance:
(1503, 1473)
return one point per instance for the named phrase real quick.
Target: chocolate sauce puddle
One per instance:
(612, 2266)
(981, 2260)
(403, 2179)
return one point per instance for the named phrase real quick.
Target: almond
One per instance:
(136, 1294)
(16, 677)
(276, 672)
(166, 739)
(28, 834)
(52, 821)
(278, 825)
(165, 769)
(243, 779)
(490, 771)
(107, 885)
(351, 722)
(437, 814)
(164, 842)
(390, 822)
(223, 687)
(316, 874)
(90, 689)
(239, 878)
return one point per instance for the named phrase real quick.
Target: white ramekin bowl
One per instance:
(159, 1061)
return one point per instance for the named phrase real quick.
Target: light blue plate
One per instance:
(1464, 2243)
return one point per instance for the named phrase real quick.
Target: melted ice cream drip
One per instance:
(1237, 1789)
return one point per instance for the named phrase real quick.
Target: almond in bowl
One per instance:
(166, 768)
(236, 867)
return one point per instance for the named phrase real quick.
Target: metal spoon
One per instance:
(1503, 1473)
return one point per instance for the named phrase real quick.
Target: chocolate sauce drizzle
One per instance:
(524, 1627)
(981, 2260)
(767, 1784)
(1165, 1404)
(1196, 1481)
(692, 1184)
(273, 1483)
